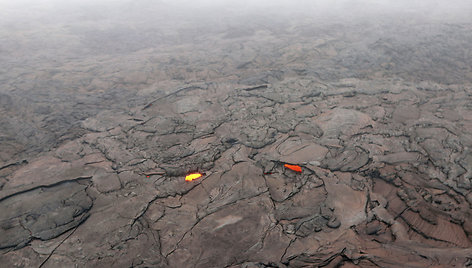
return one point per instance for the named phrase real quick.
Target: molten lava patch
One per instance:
(192, 176)
(294, 167)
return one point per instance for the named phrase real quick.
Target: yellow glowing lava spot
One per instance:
(192, 176)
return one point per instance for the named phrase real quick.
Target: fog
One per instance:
(33, 12)
(26, 26)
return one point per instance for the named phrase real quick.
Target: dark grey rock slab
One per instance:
(42, 213)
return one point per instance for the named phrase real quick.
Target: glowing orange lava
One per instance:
(294, 167)
(192, 176)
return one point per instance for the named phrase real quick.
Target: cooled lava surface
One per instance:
(330, 141)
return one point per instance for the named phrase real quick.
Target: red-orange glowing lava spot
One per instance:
(294, 167)
(192, 176)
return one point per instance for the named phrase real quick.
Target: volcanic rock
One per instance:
(43, 213)
(100, 125)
